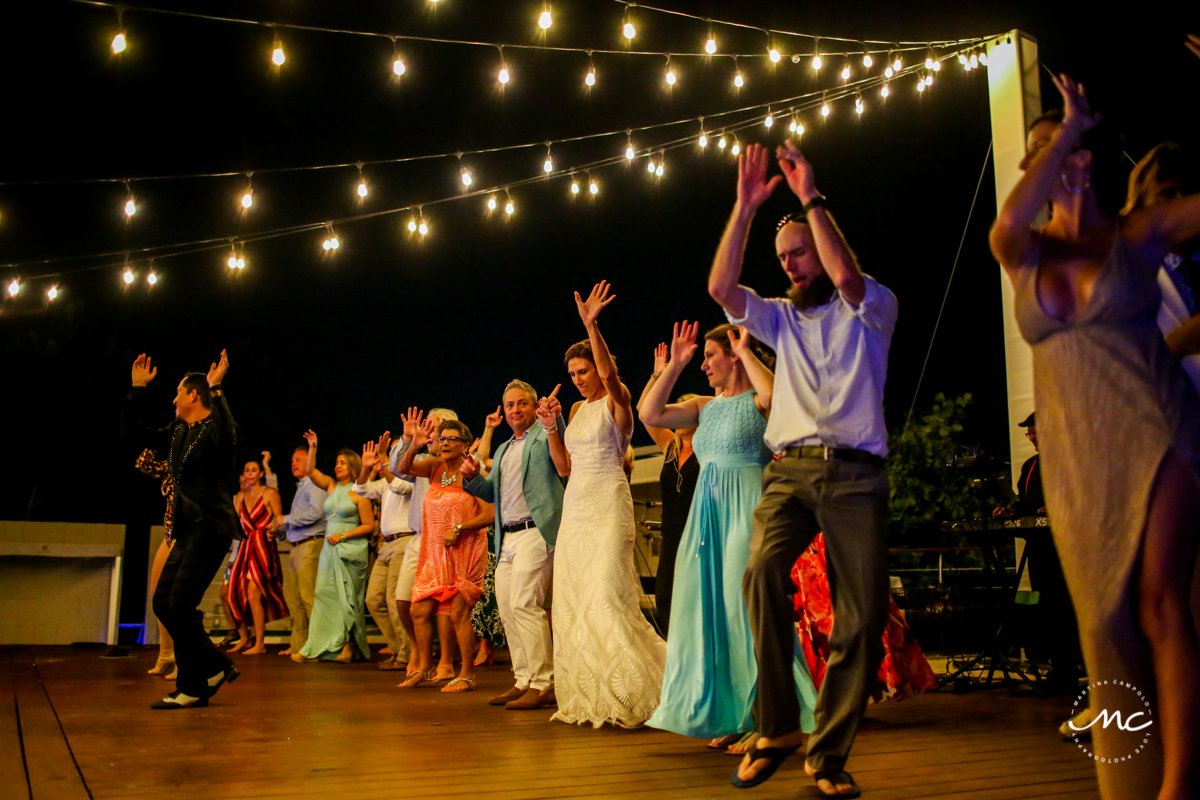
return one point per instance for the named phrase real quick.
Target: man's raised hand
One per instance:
(216, 373)
(798, 171)
(411, 422)
(493, 420)
(143, 373)
(370, 455)
(753, 187)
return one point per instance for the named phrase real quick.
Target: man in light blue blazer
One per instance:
(528, 494)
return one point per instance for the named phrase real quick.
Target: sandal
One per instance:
(470, 682)
(777, 756)
(229, 639)
(724, 742)
(835, 776)
(163, 666)
(421, 678)
(744, 743)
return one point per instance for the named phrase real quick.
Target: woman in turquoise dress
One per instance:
(711, 671)
(337, 628)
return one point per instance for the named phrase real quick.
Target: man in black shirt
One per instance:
(1060, 628)
(200, 444)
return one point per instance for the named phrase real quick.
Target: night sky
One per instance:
(343, 344)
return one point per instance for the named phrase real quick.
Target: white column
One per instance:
(1016, 101)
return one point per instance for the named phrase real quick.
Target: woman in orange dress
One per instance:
(256, 576)
(453, 556)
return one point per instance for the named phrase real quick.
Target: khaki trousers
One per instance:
(299, 587)
(381, 588)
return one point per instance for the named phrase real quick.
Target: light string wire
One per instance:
(358, 164)
(933, 337)
(787, 106)
(897, 46)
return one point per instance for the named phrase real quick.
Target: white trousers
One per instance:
(524, 573)
(408, 568)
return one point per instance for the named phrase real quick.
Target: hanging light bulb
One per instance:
(14, 288)
(548, 164)
(593, 187)
(152, 279)
(792, 125)
(721, 142)
(937, 66)
(868, 62)
(128, 276)
(650, 165)
(929, 60)
(130, 207)
(703, 140)
(412, 226)
(710, 46)
(629, 153)
(884, 91)
(326, 244)
(824, 108)
(846, 72)
(510, 208)
(590, 78)
(334, 244)
(816, 59)
(974, 61)
(962, 59)
(574, 186)
(929, 79)
(897, 65)
(629, 30)
(773, 54)
(983, 57)
(738, 81)
(858, 105)
(737, 148)
(398, 66)
(466, 177)
(503, 75)
(669, 77)
(658, 172)
(52, 293)
(423, 227)
(277, 55)
(118, 43)
(799, 128)
(888, 72)
(770, 120)
(545, 20)
(491, 203)
(921, 85)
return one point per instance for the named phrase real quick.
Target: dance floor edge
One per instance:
(73, 725)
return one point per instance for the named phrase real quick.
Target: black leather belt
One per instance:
(396, 536)
(848, 454)
(519, 526)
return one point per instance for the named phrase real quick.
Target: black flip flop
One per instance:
(832, 776)
(777, 755)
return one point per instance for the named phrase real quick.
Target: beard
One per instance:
(817, 292)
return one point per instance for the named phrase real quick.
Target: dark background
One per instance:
(343, 344)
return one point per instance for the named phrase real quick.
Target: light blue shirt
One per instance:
(306, 517)
(830, 369)
(420, 485)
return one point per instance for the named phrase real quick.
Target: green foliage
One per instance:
(924, 490)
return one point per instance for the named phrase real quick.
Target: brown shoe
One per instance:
(392, 664)
(503, 699)
(533, 699)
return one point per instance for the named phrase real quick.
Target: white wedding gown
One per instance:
(608, 661)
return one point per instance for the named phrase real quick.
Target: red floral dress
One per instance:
(904, 671)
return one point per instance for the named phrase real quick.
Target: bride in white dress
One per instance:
(608, 660)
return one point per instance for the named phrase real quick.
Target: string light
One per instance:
(466, 176)
(921, 85)
(248, 196)
(738, 80)
(118, 44)
(361, 191)
(929, 59)
(545, 20)
(773, 54)
(816, 59)
(14, 288)
(128, 276)
(658, 172)
(593, 187)
(710, 46)
(884, 91)
(629, 30)
(491, 203)
(858, 104)
(510, 207)
(867, 61)
(152, 278)
(824, 106)
(983, 58)
(846, 71)
(650, 165)
(629, 151)
(52, 293)
(670, 75)
(937, 66)
(398, 67)
(721, 142)
(737, 148)
(929, 79)
(423, 227)
(770, 119)
(703, 140)
(412, 226)
(235, 261)
(897, 65)
(130, 207)
(974, 61)
(277, 55)
(548, 164)
(797, 127)
(503, 75)
(589, 80)
(574, 185)
(890, 66)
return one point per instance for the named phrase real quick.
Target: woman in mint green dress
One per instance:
(711, 671)
(337, 628)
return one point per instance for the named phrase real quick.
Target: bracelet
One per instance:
(655, 376)
(550, 430)
(816, 202)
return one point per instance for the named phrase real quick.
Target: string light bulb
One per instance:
(721, 142)
(589, 80)
(824, 108)
(929, 79)
(816, 59)
(921, 85)
(510, 207)
(14, 288)
(897, 65)
(247, 199)
(867, 61)
(983, 57)
(884, 91)
(799, 129)
(574, 186)
(888, 72)
(703, 140)
(858, 104)
(548, 164)
(361, 190)
(974, 61)
(398, 66)
(658, 172)
(277, 55)
(737, 148)
(650, 165)
(465, 175)
(412, 226)
(128, 276)
(593, 187)
(937, 66)
(130, 207)
(491, 203)
(503, 75)
(52, 293)
(630, 153)
(118, 43)
(423, 227)
(629, 30)
(545, 20)
(773, 54)
(929, 60)
(769, 120)
(710, 46)
(152, 278)
(669, 77)
(846, 71)
(738, 80)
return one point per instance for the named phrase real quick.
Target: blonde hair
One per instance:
(444, 413)
(523, 386)
(676, 444)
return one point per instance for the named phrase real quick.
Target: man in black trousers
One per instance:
(200, 444)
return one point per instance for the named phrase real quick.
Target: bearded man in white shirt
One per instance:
(831, 336)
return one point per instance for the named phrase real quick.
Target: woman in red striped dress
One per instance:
(256, 576)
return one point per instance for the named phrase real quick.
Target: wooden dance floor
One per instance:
(75, 726)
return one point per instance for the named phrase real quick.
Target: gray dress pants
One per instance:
(849, 503)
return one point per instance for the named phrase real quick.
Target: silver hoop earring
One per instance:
(1087, 182)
